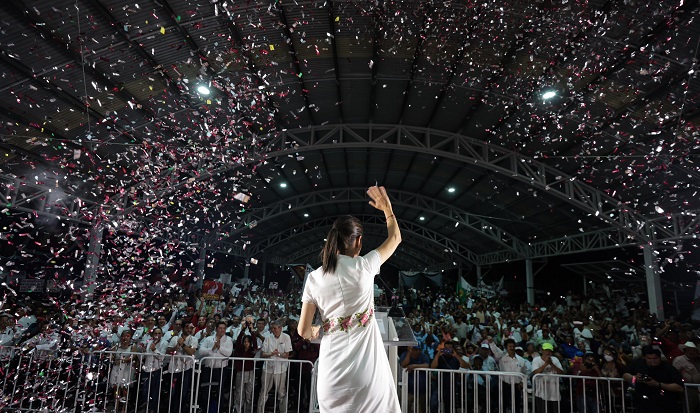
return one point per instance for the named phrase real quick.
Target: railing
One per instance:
(691, 397)
(553, 393)
(451, 391)
(128, 382)
(270, 385)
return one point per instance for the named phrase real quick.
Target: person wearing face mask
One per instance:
(612, 366)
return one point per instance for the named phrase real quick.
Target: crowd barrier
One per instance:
(554, 393)
(691, 398)
(455, 391)
(128, 382)
(125, 382)
(451, 391)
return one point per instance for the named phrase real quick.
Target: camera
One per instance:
(645, 377)
(447, 351)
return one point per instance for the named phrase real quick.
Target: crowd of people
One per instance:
(611, 335)
(148, 337)
(573, 336)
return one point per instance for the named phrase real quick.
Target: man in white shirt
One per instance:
(207, 331)
(142, 334)
(215, 351)
(26, 319)
(7, 331)
(175, 330)
(235, 329)
(488, 362)
(461, 328)
(46, 342)
(546, 388)
(276, 346)
(509, 361)
(152, 366)
(182, 347)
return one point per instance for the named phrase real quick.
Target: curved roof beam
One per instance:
(372, 232)
(475, 152)
(410, 257)
(422, 253)
(447, 245)
(630, 224)
(406, 199)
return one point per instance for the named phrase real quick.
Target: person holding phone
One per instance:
(353, 368)
(657, 384)
(449, 384)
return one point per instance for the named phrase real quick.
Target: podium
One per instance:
(396, 332)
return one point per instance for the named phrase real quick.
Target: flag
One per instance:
(498, 286)
(463, 289)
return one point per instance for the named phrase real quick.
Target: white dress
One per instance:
(123, 372)
(353, 368)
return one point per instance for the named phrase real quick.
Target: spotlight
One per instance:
(203, 90)
(548, 95)
(451, 190)
(283, 185)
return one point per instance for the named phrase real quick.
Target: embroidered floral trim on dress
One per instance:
(346, 324)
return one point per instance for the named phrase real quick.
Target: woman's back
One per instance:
(352, 361)
(349, 290)
(353, 368)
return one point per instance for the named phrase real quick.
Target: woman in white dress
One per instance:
(123, 369)
(353, 369)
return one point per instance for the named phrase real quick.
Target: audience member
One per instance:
(656, 383)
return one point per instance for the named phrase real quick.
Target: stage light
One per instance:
(283, 185)
(548, 95)
(451, 190)
(203, 90)
(422, 218)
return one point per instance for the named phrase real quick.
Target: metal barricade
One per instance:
(554, 393)
(691, 398)
(228, 384)
(34, 379)
(7, 354)
(124, 382)
(71, 380)
(450, 391)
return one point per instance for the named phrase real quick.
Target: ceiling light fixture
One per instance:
(283, 185)
(203, 90)
(451, 190)
(548, 95)
(306, 215)
(422, 218)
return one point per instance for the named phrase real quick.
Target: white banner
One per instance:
(483, 291)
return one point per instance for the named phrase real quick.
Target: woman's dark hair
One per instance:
(341, 240)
